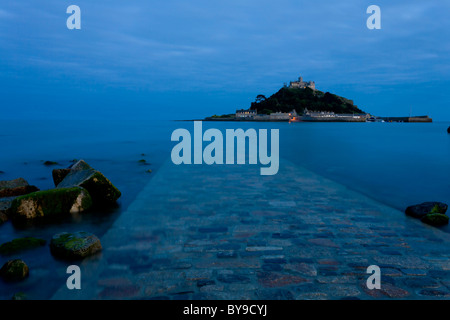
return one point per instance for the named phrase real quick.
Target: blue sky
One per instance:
(186, 59)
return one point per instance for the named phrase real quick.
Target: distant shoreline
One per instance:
(418, 119)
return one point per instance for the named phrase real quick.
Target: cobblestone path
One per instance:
(225, 232)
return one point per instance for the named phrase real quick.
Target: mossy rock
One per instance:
(21, 244)
(423, 209)
(99, 187)
(74, 246)
(439, 208)
(14, 270)
(436, 219)
(54, 202)
(19, 296)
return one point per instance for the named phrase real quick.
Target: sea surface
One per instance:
(398, 164)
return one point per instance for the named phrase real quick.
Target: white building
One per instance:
(245, 113)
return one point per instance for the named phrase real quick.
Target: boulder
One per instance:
(19, 296)
(14, 270)
(19, 182)
(435, 219)
(74, 246)
(421, 210)
(59, 175)
(99, 187)
(17, 187)
(50, 163)
(5, 205)
(21, 244)
(3, 218)
(54, 202)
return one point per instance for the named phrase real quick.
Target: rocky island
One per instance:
(301, 101)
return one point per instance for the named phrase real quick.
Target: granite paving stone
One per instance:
(226, 232)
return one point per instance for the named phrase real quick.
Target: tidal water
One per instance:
(398, 164)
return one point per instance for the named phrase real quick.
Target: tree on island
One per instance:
(260, 98)
(298, 99)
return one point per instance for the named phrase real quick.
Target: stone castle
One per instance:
(300, 84)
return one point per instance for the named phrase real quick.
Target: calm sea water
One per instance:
(395, 163)
(398, 164)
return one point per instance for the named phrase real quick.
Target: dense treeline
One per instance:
(287, 99)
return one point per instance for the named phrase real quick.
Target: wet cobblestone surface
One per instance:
(225, 232)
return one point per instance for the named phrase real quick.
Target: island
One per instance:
(300, 101)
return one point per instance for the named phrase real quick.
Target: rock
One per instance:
(99, 187)
(5, 205)
(59, 175)
(76, 245)
(435, 219)
(50, 163)
(21, 244)
(448, 130)
(54, 202)
(421, 210)
(17, 187)
(19, 296)
(19, 182)
(3, 218)
(14, 270)
(14, 192)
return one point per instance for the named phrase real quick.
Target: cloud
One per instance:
(5, 14)
(227, 46)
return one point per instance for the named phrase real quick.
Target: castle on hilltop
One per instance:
(300, 84)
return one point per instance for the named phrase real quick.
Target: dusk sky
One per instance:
(189, 59)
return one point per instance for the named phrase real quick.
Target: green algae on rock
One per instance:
(435, 219)
(421, 210)
(74, 246)
(99, 187)
(54, 202)
(19, 296)
(21, 244)
(14, 270)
